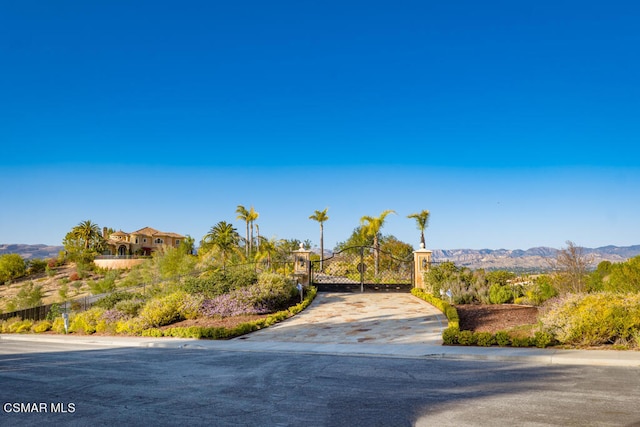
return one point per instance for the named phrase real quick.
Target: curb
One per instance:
(616, 358)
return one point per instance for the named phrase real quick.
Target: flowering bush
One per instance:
(130, 327)
(163, 310)
(42, 326)
(86, 321)
(113, 315)
(593, 319)
(272, 293)
(232, 304)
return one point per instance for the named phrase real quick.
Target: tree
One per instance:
(357, 238)
(624, 277)
(187, 245)
(224, 237)
(371, 227)
(83, 242)
(571, 265)
(30, 295)
(253, 215)
(267, 249)
(243, 214)
(249, 217)
(172, 263)
(88, 233)
(12, 266)
(321, 217)
(422, 221)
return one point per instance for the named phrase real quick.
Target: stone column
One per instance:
(421, 264)
(302, 266)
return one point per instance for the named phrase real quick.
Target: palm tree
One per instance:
(371, 227)
(223, 236)
(243, 214)
(266, 250)
(252, 216)
(422, 220)
(87, 232)
(321, 217)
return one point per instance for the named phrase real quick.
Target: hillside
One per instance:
(31, 251)
(533, 259)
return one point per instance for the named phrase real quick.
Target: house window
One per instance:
(144, 240)
(159, 241)
(178, 242)
(136, 240)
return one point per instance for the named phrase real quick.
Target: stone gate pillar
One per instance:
(302, 266)
(421, 264)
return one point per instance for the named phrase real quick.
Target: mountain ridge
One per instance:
(532, 259)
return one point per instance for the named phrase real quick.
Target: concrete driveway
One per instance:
(366, 318)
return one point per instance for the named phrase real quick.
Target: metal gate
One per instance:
(362, 269)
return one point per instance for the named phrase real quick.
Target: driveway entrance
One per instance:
(357, 318)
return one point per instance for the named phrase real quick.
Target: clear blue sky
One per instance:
(517, 124)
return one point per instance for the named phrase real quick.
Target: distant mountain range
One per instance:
(31, 251)
(533, 259)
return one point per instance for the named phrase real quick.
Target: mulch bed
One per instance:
(224, 322)
(494, 318)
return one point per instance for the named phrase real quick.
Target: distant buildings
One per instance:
(142, 242)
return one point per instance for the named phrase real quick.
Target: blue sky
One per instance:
(515, 123)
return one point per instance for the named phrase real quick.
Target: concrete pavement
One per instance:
(354, 324)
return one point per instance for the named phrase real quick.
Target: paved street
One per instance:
(182, 386)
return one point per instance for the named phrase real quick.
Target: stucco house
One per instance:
(140, 242)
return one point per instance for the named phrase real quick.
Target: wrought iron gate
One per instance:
(362, 269)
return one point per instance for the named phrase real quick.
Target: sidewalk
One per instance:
(372, 325)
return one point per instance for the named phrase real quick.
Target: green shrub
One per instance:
(543, 290)
(42, 326)
(166, 310)
(54, 311)
(273, 291)
(503, 339)
(500, 294)
(485, 339)
(152, 332)
(37, 265)
(466, 338)
(450, 336)
(107, 284)
(220, 282)
(12, 266)
(129, 307)
(30, 295)
(109, 301)
(448, 310)
(542, 339)
(520, 342)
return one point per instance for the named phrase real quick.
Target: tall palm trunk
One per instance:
(321, 247)
(376, 254)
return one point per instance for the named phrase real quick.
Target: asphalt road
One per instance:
(97, 385)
